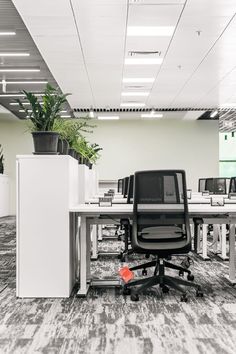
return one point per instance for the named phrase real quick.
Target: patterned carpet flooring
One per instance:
(108, 322)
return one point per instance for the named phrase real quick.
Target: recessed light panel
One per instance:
(11, 54)
(150, 31)
(132, 104)
(108, 117)
(18, 70)
(151, 115)
(134, 93)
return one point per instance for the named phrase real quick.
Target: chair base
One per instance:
(167, 264)
(164, 281)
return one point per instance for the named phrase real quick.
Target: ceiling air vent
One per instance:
(133, 53)
(134, 86)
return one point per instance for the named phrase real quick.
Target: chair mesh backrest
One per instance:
(232, 186)
(216, 185)
(125, 186)
(201, 184)
(220, 186)
(158, 187)
(160, 200)
(119, 186)
(130, 192)
(210, 185)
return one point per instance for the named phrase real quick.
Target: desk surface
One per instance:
(127, 209)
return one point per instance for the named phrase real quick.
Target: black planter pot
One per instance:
(45, 143)
(81, 160)
(60, 146)
(65, 147)
(72, 152)
(1, 169)
(90, 165)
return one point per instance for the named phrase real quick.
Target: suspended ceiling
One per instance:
(85, 44)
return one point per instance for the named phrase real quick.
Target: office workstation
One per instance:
(117, 176)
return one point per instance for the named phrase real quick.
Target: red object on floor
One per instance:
(126, 274)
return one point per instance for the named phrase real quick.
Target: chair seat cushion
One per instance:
(161, 232)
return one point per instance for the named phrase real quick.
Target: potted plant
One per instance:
(94, 154)
(71, 132)
(89, 152)
(43, 115)
(1, 160)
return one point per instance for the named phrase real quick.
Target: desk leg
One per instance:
(223, 255)
(88, 249)
(196, 238)
(232, 255)
(83, 289)
(94, 242)
(99, 232)
(216, 235)
(204, 243)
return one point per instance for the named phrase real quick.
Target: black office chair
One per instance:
(201, 184)
(216, 185)
(232, 185)
(161, 228)
(119, 185)
(125, 186)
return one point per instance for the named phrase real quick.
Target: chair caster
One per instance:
(144, 272)
(121, 257)
(134, 297)
(199, 293)
(165, 289)
(184, 298)
(126, 291)
(181, 273)
(190, 277)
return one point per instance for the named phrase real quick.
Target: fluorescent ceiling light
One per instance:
(12, 95)
(152, 31)
(17, 104)
(18, 94)
(136, 79)
(9, 54)
(214, 113)
(143, 61)
(132, 104)
(135, 93)
(7, 33)
(151, 115)
(63, 111)
(24, 82)
(66, 116)
(108, 117)
(24, 103)
(18, 70)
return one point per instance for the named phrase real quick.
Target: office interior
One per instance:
(130, 248)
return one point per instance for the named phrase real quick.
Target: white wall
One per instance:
(129, 146)
(15, 139)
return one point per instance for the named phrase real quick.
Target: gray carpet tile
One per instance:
(108, 322)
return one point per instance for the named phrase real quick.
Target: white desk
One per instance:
(90, 214)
